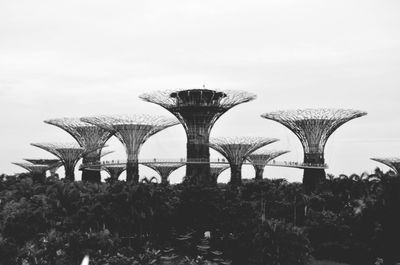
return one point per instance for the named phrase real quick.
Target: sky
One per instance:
(81, 58)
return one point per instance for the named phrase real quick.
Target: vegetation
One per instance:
(350, 219)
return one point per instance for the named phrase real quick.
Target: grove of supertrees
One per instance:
(88, 136)
(132, 131)
(164, 169)
(198, 110)
(68, 153)
(260, 158)
(236, 150)
(392, 162)
(313, 128)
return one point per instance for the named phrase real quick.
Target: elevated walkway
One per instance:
(289, 164)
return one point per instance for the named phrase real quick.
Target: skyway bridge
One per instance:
(289, 164)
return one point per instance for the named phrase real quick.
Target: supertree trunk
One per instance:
(69, 172)
(198, 150)
(259, 172)
(88, 175)
(313, 177)
(236, 174)
(132, 168)
(164, 180)
(39, 177)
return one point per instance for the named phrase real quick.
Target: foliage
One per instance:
(349, 219)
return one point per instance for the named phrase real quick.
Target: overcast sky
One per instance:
(80, 58)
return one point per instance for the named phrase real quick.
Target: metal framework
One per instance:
(132, 131)
(164, 169)
(216, 170)
(53, 164)
(392, 162)
(38, 171)
(114, 170)
(260, 158)
(313, 128)
(68, 153)
(236, 149)
(198, 110)
(88, 136)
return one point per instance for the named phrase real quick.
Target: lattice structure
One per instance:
(392, 162)
(68, 153)
(260, 158)
(132, 131)
(198, 110)
(216, 170)
(164, 169)
(88, 136)
(53, 164)
(38, 171)
(236, 149)
(313, 128)
(114, 170)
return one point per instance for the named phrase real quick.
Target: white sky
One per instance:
(80, 58)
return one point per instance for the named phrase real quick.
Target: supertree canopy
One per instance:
(260, 158)
(313, 128)
(113, 170)
(164, 169)
(392, 162)
(216, 170)
(38, 171)
(53, 164)
(88, 136)
(132, 131)
(68, 153)
(198, 110)
(236, 149)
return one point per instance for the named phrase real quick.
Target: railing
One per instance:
(203, 161)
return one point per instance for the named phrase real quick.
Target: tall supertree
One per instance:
(53, 164)
(216, 170)
(260, 158)
(89, 137)
(164, 169)
(38, 171)
(392, 162)
(132, 131)
(236, 149)
(113, 170)
(68, 153)
(198, 110)
(313, 128)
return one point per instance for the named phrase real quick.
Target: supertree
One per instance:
(216, 170)
(68, 153)
(53, 164)
(89, 137)
(236, 149)
(113, 170)
(38, 171)
(198, 110)
(313, 128)
(132, 131)
(164, 169)
(260, 158)
(392, 162)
